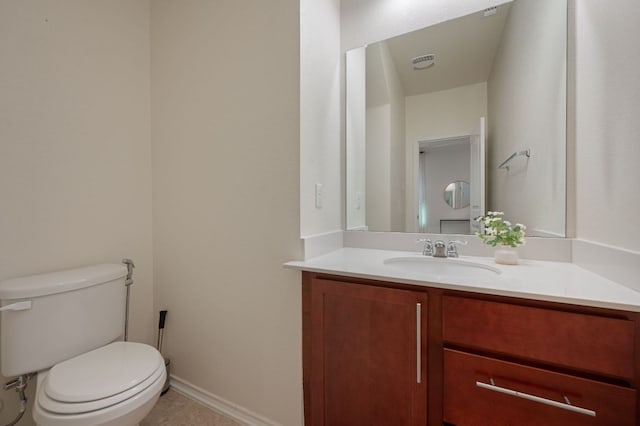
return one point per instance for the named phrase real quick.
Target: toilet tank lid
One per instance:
(60, 281)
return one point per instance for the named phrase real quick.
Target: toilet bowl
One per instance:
(117, 384)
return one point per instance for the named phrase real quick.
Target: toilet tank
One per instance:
(48, 318)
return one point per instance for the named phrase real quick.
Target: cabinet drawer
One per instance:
(480, 390)
(587, 342)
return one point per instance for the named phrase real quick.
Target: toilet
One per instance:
(66, 326)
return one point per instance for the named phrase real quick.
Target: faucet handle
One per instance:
(427, 250)
(452, 250)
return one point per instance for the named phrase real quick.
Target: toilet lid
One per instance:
(151, 387)
(102, 373)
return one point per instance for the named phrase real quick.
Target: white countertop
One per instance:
(530, 279)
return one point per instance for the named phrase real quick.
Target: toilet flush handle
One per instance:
(18, 306)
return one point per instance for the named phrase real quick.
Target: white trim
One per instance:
(435, 142)
(218, 404)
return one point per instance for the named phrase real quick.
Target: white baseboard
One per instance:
(218, 404)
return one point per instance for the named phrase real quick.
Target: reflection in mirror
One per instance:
(440, 162)
(509, 67)
(456, 194)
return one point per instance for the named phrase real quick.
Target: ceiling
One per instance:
(464, 51)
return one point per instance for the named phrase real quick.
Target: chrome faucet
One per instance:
(438, 249)
(452, 250)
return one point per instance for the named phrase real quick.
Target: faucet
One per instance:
(438, 248)
(427, 250)
(452, 250)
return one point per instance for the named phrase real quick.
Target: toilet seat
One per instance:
(100, 378)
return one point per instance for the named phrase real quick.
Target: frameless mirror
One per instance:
(456, 194)
(452, 102)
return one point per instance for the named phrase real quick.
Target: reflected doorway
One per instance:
(450, 167)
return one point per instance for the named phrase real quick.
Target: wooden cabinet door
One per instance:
(368, 355)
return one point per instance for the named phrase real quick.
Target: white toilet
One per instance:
(64, 325)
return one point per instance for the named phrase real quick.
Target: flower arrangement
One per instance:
(498, 231)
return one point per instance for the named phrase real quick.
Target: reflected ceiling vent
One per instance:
(490, 11)
(423, 61)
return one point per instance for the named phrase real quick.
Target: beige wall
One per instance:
(607, 125)
(397, 149)
(529, 78)
(355, 150)
(75, 169)
(384, 151)
(436, 115)
(225, 114)
(320, 117)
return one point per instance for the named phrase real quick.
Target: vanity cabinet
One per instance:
(364, 355)
(381, 353)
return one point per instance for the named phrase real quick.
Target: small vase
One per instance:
(506, 256)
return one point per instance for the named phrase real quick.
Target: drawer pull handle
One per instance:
(418, 343)
(564, 406)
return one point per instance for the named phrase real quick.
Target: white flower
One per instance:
(496, 230)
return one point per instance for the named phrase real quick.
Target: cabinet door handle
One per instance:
(565, 406)
(418, 343)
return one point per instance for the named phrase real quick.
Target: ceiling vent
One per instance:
(490, 11)
(423, 61)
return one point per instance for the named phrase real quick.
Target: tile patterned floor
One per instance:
(174, 409)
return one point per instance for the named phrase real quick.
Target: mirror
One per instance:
(489, 85)
(456, 194)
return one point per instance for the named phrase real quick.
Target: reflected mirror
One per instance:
(456, 194)
(451, 103)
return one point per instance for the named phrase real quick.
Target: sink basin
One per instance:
(443, 268)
